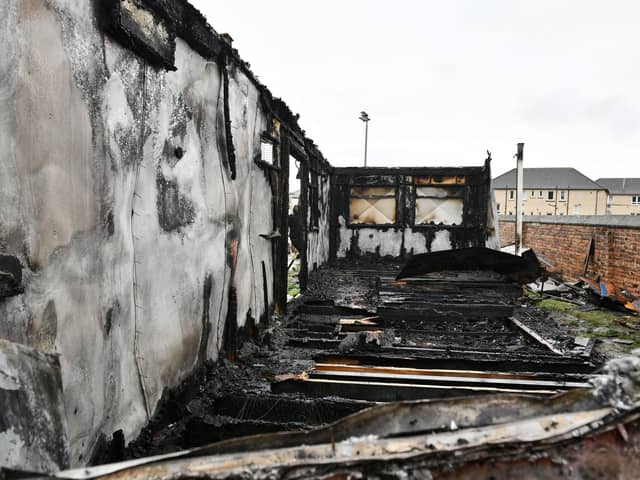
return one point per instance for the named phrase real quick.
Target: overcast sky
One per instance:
(443, 81)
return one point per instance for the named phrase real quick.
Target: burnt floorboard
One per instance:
(343, 347)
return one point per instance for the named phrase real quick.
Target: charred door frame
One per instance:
(290, 145)
(297, 151)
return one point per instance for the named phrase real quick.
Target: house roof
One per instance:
(568, 178)
(621, 186)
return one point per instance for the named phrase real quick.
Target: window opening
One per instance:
(437, 206)
(372, 205)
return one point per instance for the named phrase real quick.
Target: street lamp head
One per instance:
(364, 116)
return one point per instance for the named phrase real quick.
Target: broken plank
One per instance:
(451, 380)
(491, 363)
(446, 372)
(388, 392)
(425, 312)
(535, 336)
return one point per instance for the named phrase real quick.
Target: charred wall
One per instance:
(404, 211)
(134, 197)
(316, 199)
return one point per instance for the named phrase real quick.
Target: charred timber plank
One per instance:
(275, 408)
(360, 324)
(312, 327)
(320, 343)
(443, 311)
(387, 392)
(447, 372)
(535, 336)
(457, 332)
(332, 310)
(442, 380)
(304, 333)
(464, 362)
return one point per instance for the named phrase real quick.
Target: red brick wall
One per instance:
(616, 254)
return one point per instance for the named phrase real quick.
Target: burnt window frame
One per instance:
(461, 188)
(275, 144)
(361, 182)
(456, 192)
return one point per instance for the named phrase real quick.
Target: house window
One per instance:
(550, 195)
(498, 207)
(635, 200)
(512, 194)
(562, 198)
(266, 152)
(437, 206)
(533, 194)
(372, 205)
(540, 194)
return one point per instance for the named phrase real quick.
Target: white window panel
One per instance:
(439, 211)
(266, 152)
(372, 205)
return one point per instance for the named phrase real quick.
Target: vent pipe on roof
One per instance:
(519, 189)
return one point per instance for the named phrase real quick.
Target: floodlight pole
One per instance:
(365, 118)
(519, 191)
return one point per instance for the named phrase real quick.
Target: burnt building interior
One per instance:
(144, 267)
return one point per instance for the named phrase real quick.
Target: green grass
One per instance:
(293, 287)
(601, 323)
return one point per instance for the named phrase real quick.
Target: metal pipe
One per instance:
(519, 188)
(366, 141)
(364, 116)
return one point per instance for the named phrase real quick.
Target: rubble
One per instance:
(438, 438)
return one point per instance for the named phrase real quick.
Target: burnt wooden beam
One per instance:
(388, 392)
(443, 359)
(406, 312)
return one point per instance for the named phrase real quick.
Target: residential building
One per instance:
(624, 195)
(551, 191)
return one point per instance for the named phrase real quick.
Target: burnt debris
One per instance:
(523, 269)
(473, 401)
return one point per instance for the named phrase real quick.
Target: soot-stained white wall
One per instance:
(116, 195)
(318, 252)
(406, 236)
